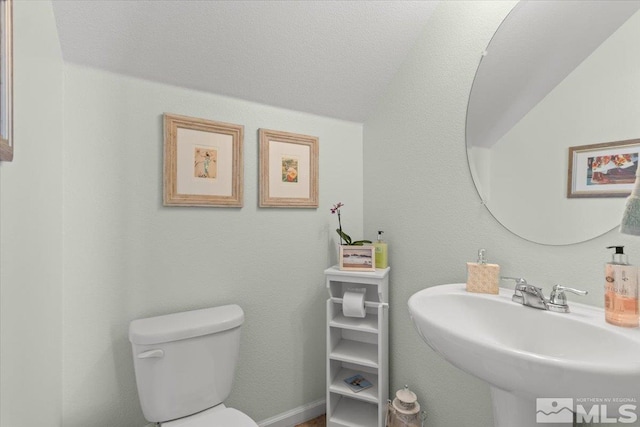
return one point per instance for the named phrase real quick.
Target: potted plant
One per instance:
(344, 236)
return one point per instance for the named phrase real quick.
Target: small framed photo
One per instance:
(357, 258)
(202, 162)
(288, 170)
(603, 170)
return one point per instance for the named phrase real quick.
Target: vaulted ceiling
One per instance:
(332, 58)
(328, 57)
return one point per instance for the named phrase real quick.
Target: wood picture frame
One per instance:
(357, 258)
(288, 170)
(6, 80)
(603, 170)
(203, 163)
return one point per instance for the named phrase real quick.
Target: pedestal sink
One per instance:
(526, 354)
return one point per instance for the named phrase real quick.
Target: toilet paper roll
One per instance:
(353, 303)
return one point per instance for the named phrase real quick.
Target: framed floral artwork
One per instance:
(202, 162)
(603, 170)
(288, 170)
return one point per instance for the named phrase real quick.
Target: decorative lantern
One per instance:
(404, 411)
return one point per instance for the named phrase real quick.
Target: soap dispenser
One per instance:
(482, 277)
(621, 290)
(382, 260)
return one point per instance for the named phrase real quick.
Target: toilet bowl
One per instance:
(185, 365)
(217, 416)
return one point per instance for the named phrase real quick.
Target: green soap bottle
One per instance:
(381, 252)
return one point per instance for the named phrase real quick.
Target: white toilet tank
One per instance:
(185, 362)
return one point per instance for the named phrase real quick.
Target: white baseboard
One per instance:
(296, 415)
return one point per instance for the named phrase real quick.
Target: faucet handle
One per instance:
(561, 288)
(558, 300)
(518, 280)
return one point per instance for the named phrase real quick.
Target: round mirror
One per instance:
(557, 78)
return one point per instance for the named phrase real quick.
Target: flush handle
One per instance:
(151, 353)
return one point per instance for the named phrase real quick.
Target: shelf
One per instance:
(369, 323)
(357, 345)
(378, 274)
(354, 413)
(356, 352)
(340, 387)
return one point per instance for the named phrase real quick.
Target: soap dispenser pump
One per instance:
(621, 290)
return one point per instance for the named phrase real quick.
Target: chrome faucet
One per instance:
(527, 294)
(532, 296)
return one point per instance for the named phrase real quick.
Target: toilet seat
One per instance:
(218, 416)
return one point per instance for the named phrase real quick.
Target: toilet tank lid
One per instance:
(188, 324)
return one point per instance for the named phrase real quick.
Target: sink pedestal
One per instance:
(510, 410)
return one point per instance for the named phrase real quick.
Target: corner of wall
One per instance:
(31, 227)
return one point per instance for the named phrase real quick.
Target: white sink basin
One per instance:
(525, 353)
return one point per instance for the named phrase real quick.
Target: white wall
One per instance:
(127, 256)
(31, 228)
(419, 190)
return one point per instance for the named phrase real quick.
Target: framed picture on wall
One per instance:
(6, 80)
(202, 162)
(288, 170)
(357, 258)
(603, 170)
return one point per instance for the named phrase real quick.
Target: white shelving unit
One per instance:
(357, 346)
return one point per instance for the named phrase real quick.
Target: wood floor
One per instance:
(316, 422)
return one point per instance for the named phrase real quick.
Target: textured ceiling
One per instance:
(332, 58)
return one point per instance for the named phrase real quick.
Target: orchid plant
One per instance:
(344, 236)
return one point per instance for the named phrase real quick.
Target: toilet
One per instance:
(185, 364)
